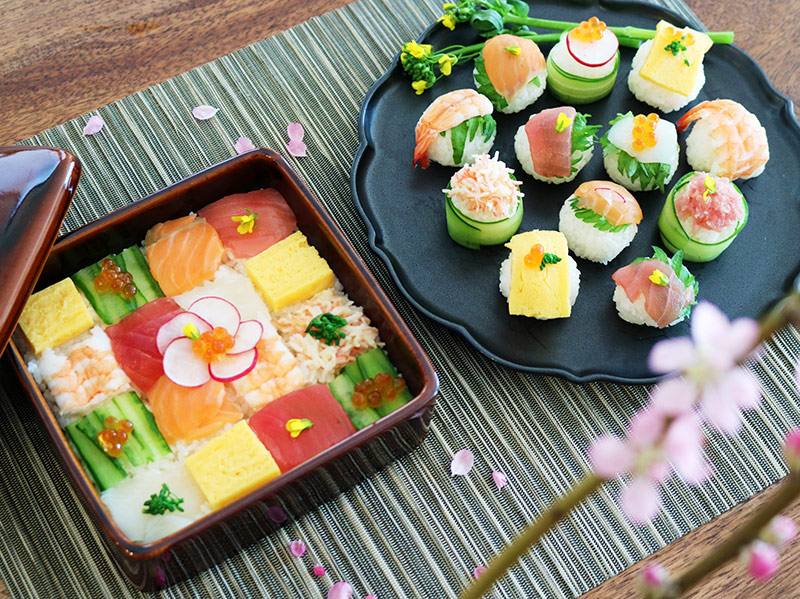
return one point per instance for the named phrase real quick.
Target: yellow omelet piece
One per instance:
(54, 315)
(534, 291)
(666, 63)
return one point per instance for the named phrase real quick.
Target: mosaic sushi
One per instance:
(702, 215)
(667, 72)
(555, 144)
(211, 359)
(511, 72)
(657, 292)
(454, 129)
(640, 152)
(582, 67)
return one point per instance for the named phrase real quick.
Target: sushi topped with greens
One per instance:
(555, 144)
(640, 152)
(484, 203)
(511, 72)
(582, 67)
(454, 129)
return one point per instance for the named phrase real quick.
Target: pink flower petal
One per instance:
(295, 131)
(296, 148)
(500, 479)
(243, 144)
(780, 531)
(709, 325)
(763, 561)
(204, 112)
(791, 449)
(645, 427)
(370, 597)
(478, 571)
(742, 337)
(640, 501)
(277, 514)
(297, 547)
(609, 456)
(724, 398)
(683, 446)
(341, 590)
(319, 570)
(672, 355)
(93, 125)
(462, 463)
(654, 576)
(674, 396)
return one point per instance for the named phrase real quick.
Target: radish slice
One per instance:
(217, 312)
(233, 366)
(593, 54)
(610, 195)
(250, 333)
(173, 329)
(182, 366)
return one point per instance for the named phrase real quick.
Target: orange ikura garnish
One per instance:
(113, 437)
(373, 392)
(644, 131)
(212, 345)
(589, 31)
(535, 256)
(113, 278)
(677, 35)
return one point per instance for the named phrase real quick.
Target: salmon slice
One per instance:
(508, 71)
(190, 413)
(610, 200)
(663, 304)
(186, 257)
(551, 150)
(167, 228)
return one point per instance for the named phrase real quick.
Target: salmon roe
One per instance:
(534, 257)
(113, 437)
(677, 35)
(113, 278)
(212, 345)
(373, 392)
(589, 31)
(644, 131)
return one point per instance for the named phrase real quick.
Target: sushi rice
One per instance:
(523, 151)
(481, 142)
(652, 93)
(532, 91)
(634, 312)
(588, 242)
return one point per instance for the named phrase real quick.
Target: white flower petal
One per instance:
(204, 112)
(462, 463)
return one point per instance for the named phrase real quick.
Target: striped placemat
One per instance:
(411, 530)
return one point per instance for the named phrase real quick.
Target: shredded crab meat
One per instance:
(485, 190)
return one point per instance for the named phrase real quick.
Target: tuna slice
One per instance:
(510, 71)
(330, 425)
(133, 340)
(274, 221)
(665, 303)
(551, 150)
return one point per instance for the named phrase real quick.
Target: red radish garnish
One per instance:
(174, 329)
(594, 54)
(182, 366)
(233, 366)
(610, 195)
(217, 312)
(250, 333)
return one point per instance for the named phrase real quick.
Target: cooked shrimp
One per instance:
(610, 200)
(728, 141)
(444, 113)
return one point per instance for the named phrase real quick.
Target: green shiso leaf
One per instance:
(677, 266)
(591, 217)
(467, 130)
(583, 134)
(647, 173)
(485, 86)
(536, 81)
(458, 139)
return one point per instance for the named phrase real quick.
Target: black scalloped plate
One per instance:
(405, 216)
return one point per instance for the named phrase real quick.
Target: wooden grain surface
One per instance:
(63, 59)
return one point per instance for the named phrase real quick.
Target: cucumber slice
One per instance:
(675, 236)
(342, 389)
(573, 89)
(103, 470)
(374, 362)
(90, 425)
(144, 425)
(353, 371)
(473, 234)
(131, 448)
(132, 259)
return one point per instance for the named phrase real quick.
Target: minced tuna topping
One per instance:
(716, 211)
(484, 191)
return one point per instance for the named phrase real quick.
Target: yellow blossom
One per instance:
(448, 6)
(659, 278)
(448, 21)
(295, 426)
(417, 50)
(446, 63)
(513, 50)
(420, 86)
(247, 222)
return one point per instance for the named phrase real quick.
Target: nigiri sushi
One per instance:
(702, 216)
(454, 129)
(484, 203)
(555, 144)
(667, 71)
(511, 72)
(640, 152)
(539, 278)
(582, 67)
(599, 220)
(727, 140)
(657, 292)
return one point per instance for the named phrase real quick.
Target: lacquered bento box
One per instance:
(223, 532)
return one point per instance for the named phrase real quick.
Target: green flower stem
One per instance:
(531, 535)
(786, 310)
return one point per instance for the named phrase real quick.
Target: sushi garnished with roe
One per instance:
(727, 140)
(484, 203)
(454, 129)
(582, 67)
(702, 216)
(640, 152)
(555, 144)
(667, 72)
(599, 220)
(657, 292)
(511, 72)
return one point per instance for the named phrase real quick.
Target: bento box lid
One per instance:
(36, 188)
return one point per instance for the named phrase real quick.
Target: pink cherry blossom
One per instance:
(297, 547)
(319, 570)
(500, 479)
(654, 576)
(763, 561)
(370, 597)
(93, 125)
(609, 456)
(683, 447)
(462, 463)
(204, 112)
(296, 147)
(724, 398)
(478, 571)
(341, 590)
(674, 396)
(780, 531)
(640, 501)
(243, 144)
(791, 449)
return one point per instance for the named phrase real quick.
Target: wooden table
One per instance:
(62, 60)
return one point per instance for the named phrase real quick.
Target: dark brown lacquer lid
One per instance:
(36, 187)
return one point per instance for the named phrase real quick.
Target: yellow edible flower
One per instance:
(448, 6)
(295, 426)
(448, 21)
(446, 63)
(562, 122)
(191, 331)
(513, 50)
(659, 278)
(247, 222)
(711, 187)
(417, 50)
(420, 86)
